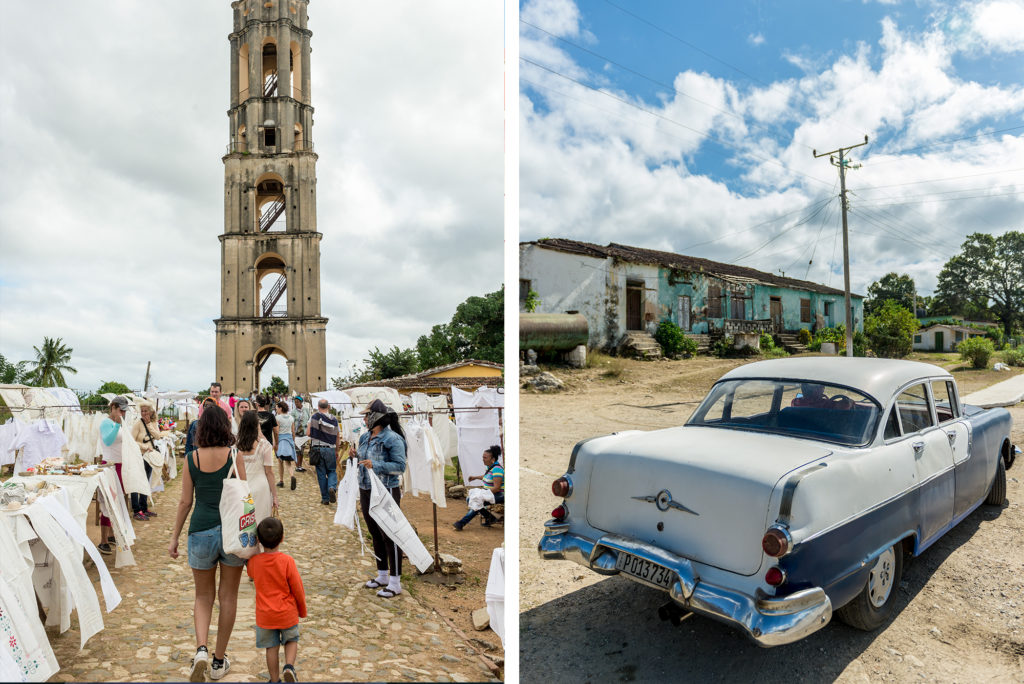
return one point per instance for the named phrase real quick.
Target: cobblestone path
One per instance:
(350, 634)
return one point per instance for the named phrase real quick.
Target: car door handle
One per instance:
(952, 436)
(918, 448)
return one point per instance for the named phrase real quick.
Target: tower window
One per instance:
(270, 137)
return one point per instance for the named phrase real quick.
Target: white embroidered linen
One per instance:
(42, 439)
(478, 429)
(393, 523)
(133, 472)
(9, 433)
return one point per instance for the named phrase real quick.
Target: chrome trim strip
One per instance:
(768, 621)
(789, 490)
(576, 450)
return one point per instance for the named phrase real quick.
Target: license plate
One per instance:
(645, 570)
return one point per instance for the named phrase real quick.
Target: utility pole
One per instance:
(145, 385)
(842, 164)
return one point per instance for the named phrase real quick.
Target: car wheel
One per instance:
(874, 604)
(997, 493)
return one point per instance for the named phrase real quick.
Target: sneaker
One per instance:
(139, 515)
(293, 482)
(289, 674)
(200, 664)
(149, 514)
(326, 503)
(332, 494)
(111, 538)
(219, 668)
(458, 526)
(280, 484)
(300, 469)
(106, 548)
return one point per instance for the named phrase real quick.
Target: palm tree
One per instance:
(50, 364)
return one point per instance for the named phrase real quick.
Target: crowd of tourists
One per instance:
(245, 436)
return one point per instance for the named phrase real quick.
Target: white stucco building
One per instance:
(943, 337)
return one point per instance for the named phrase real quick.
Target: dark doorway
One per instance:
(775, 304)
(634, 305)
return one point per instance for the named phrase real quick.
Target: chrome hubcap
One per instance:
(881, 578)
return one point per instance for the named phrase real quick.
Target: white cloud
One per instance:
(755, 39)
(999, 24)
(558, 17)
(111, 196)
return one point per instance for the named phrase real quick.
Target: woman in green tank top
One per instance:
(203, 482)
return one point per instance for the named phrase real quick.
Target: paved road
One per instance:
(350, 635)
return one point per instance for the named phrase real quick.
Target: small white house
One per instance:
(943, 337)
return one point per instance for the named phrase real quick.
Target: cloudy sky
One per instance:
(113, 126)
(690, 127)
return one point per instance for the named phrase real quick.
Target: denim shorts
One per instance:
(205, 550)
(271, 638)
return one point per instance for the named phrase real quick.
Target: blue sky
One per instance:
(701, 137)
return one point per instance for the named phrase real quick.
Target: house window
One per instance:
(714, 301)
(959, 336)
(524, 290)
(828, 309)
(917, 339)
(738, 309)
(805, 310)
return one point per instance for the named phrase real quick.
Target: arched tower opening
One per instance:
(268, 69)
(272, 286)
(296, 71)
(243, 72)
(270, 204)
(270, 360)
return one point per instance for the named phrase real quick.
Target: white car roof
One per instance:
(879, 378)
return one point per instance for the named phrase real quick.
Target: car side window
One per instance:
(945, 400)
(892, 425)
(914, 410)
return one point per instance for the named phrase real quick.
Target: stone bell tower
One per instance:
(270, 249)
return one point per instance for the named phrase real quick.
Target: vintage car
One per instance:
(796, 488)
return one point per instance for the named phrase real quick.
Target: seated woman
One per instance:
(494, 479)
(813, 396)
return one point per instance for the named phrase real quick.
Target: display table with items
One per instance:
(42, 539)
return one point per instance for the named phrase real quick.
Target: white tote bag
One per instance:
(133, 472)
(237, 515)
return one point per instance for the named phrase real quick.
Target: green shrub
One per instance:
(722, 348)
(995, 333)
(890, 330)
(977, 350)
(767, 343)
(674, 342)
(803, 335)
(1014, 357)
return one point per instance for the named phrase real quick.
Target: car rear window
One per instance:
(809, 410)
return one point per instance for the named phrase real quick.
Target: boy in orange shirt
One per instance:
(280, 600)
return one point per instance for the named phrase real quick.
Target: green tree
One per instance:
(276, 386)
(890, 330)
(391, 364)
(898, 287)
(438, 348)
(97, 401)
(476, 331)
(12, 373)
(50, 363)
(986, 276)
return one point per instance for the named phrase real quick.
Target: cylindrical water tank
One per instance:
(552, 332)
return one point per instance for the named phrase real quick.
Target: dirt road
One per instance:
(960, 610)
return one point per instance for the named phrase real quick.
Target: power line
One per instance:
(945, 142)
(940, 180)
(757, 249)
(943, 199)
(758, 225)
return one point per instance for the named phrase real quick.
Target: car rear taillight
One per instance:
(560, 512)
(774, 577)
(776, 542)
(561, 487)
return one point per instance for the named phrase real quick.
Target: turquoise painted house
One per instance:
(622, 289)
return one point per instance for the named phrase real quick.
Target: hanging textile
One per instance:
(478, 429)
(495, 593)
(447, 438)
(9, 436)
(436, 460)
(133, 472)
(42, 439)
(393, 523)
(417, 476)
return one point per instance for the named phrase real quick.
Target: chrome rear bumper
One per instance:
(768, 621)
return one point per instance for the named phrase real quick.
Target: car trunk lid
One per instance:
(709, 488)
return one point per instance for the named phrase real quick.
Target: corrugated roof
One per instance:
(459, 364)
(415, 382)
(640, 255)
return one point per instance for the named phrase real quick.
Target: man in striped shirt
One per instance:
(323, 433)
